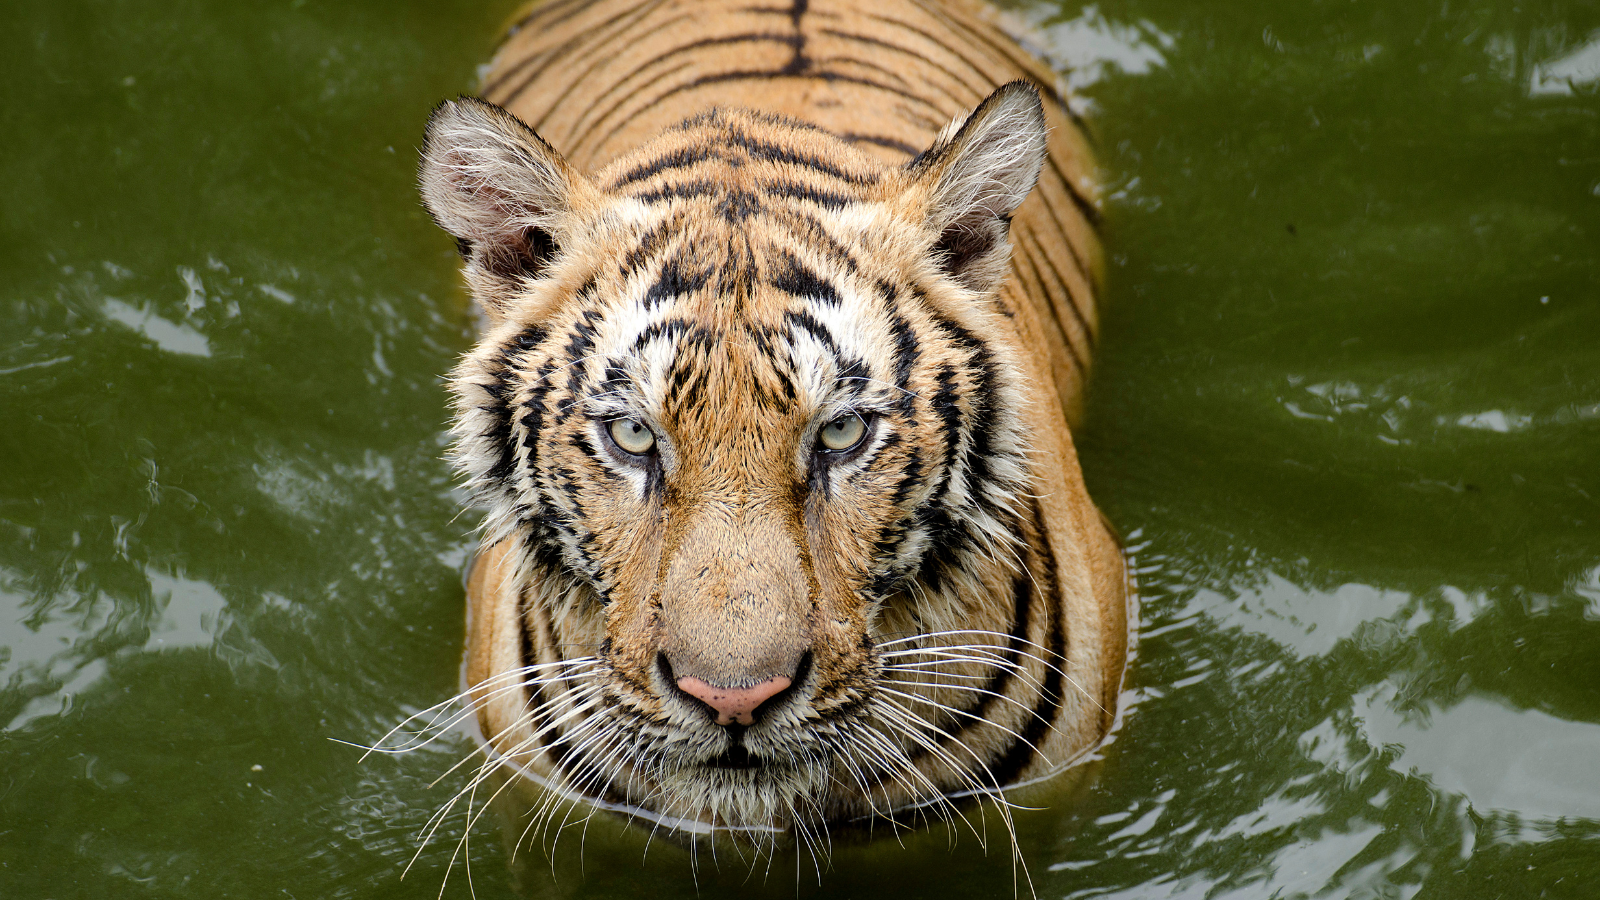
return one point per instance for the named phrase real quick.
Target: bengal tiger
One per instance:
(789, 306)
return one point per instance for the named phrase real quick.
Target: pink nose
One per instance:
(733, 704)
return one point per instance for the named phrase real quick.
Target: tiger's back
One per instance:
(712, 242)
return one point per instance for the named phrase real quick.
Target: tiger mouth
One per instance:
(735, 758)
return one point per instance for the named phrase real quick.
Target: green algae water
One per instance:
(1346, 413)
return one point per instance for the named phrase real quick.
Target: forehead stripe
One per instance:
(649, 244)
(795, 191)
(673, 282)
(779, 154)
(808, 323)
(797, 280)
(678, 158)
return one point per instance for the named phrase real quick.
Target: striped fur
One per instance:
(737, 225)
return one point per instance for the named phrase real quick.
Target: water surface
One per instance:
(1347, 413)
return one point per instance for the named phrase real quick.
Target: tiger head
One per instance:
(744, 413)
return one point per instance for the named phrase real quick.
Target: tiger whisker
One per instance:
(930, 676)
(984, 647)
(994, 794)
(441, 708)
(976, 718)
(895, 757)
(566, 696)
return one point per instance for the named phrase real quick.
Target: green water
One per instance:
(1347, 413)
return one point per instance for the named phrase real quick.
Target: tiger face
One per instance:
(743, 423)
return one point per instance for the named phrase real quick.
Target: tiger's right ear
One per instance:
(508, 197)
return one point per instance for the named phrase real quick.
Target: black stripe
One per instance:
(906, 354)
(673, 282)
(952, 724)
(500, 407)
(1023, 749)
(794, 191)
(533, 413)
(1050, 307)
(769, 152)
(540, 10)
(957, 52)
(798, 281)
(578, 137)
(808, 228)
(599, 35)
(1066, 289)
(1060, 221)
(1081, 202)
(840, 62)
(644, 251)
(974, 91)
(669, 329)
(1023, 61)
(880, 141)
(580, 128)
(595, 52)
(804, 321)
(681, 158)
(683, 189)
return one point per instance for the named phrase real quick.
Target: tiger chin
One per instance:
(784, 530)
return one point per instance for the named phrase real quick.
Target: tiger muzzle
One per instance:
(735, 613)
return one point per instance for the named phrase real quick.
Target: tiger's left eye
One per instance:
(632, 436)
(843, 433)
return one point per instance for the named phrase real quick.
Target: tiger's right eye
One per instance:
(633, 436)
(843, 433)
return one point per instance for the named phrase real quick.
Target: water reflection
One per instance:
(1575, 70)
(1089, 47)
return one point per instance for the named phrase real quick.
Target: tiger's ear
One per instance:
(507, 196)
(978, 171)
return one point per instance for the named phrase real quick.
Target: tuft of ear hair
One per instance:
(978, 171)
(506, 196)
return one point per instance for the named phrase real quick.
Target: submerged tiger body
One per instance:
(785, 529)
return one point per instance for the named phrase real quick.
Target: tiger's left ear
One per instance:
(978, 171)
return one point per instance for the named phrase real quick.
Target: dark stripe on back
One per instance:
(870, 41)
(597, 34)
(880, 141)
(1019, 58)
(1020, 258)
(762, 75)
(1040, 256)
(1079, 200)
(638, 73)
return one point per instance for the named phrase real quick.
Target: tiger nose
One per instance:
(733, 704)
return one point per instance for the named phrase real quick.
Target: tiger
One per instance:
(788, 307)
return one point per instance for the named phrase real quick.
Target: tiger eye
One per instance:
(843, 433)
(633, 436)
